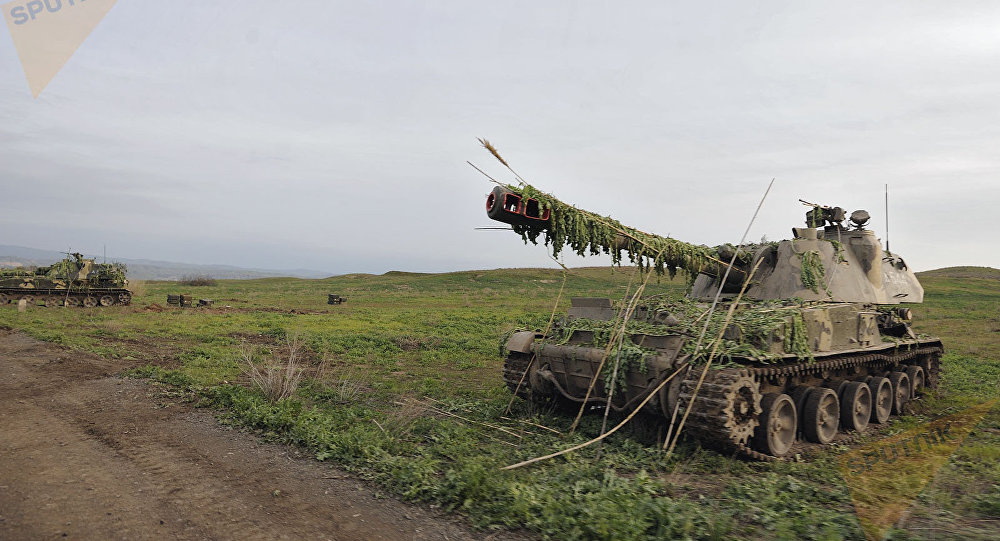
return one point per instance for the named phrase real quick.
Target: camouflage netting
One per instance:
(757, 324)
(16, 271)
(113, 272)
(588, 233)
(65, 269)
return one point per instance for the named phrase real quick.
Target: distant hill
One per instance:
(147, 269)
(988, 273)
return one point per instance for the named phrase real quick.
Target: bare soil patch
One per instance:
(87, 455)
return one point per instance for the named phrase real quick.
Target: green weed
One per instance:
(402, 386)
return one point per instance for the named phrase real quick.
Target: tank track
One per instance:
(727, 405)
(713, 420)
(514, 367)
(114, 296)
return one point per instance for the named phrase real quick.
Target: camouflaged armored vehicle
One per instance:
(74, 281)
(819, 342)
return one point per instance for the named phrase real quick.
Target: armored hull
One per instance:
(74, 281)
(758, 399)
(811, 335)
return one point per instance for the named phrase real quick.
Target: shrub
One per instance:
(277, 378)
(197, 280)
(137, 287)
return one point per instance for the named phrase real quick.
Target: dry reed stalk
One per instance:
(496, 154)
(277, 380)
(732, 308)
(399, 422)
(703, 314)
(621, 338)
(488, 425)
(137, 287)
(498, 440)
(624, 233)
(611, 340)
(670, 429)
(323, 370)
(543, 427)
(600, 366)
(606, 434)
(711, 355)
(628, 235)
(548, 327)
(485, 174)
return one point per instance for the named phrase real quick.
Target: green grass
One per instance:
(962, 307)
(403, 388)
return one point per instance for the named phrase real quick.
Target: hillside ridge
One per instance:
(149, 269)
(988, 273)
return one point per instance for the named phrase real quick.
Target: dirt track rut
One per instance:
(86, 455)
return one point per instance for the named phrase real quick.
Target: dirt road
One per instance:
(86, 455)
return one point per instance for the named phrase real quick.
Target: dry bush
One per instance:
(197, 280)
(278, 377)
(111, 326)
(412, 343)
(137, 287)
(398, 423)
(407, 343)
(345, 388)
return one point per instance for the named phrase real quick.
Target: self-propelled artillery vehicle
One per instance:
(820, 339)
(74, 281)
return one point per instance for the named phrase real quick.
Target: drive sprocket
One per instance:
(725, 410)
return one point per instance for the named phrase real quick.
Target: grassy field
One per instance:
(402, 386)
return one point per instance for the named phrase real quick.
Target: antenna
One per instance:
(106, 247)
(887, 219)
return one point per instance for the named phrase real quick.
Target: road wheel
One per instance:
(52, 301)
(73, 301)
(669, 394)
(856, 406)
(107, 300)
(29, 299)
(837, 386)
(900, 391)
(778, 423)
(89, 302)
(799, 396)
(125, 297)
(881, 391)
(4, 299)
(916, 375)
(931, 363)
(821, 415)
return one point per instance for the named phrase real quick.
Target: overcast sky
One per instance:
(334, 135)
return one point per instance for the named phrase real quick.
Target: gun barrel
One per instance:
(531, 213)
(510, 207)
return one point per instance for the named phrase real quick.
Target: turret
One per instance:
(825, 261)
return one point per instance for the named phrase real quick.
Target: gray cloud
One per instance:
(334, 135)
